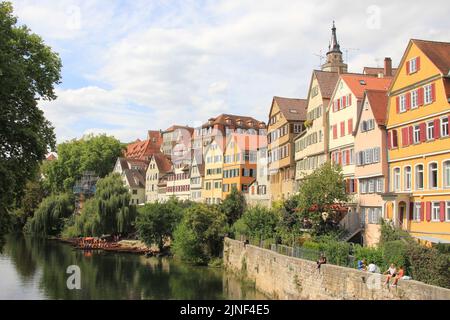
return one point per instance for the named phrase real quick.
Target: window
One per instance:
(413, 65)
(430, 130)
(374, 215)
(363, 186)
(407, 175)
(416, 134)
(414, 99)
(444, 127)
(371, 186)
(416, 212)
(419, 177)
(135, 192)
(447, 215)
(446, 168)
(396, 179)
(380, 185)
(428, 96)
(226, 188)
(433, 175)
(403, 103)
(436, 211)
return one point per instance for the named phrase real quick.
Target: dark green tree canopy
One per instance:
(233, 206)
(29, 70)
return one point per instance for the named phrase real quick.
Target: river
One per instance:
(36, 269)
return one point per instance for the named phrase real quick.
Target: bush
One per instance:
(257, 223)
(370, 254)
(233, 206)
(396, 252)
(336, 252)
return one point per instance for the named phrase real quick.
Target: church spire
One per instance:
(334, 45)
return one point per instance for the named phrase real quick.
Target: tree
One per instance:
(156, 222)
(258, 223)
(90, 153)
(29, 70)
(318, 195)
(49, 218)
(233, 206)
(199, 237)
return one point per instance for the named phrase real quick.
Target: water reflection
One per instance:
(34, 268)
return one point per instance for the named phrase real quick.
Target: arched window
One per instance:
(419, 177)
(446, 169)
(433, 175)
(407, 176)
(396, 179)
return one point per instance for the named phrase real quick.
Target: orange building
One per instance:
(240, 162)
(418, 142)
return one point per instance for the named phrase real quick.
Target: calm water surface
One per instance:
(32, 268)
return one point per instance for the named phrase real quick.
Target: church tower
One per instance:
(335, 62)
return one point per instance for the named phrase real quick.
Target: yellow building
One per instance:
(240, 162)
(212, 185)
(286, 120)
(419, 144)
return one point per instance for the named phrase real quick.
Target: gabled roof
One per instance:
(292, 109)
(144, 149)
(236, 121)
(359, 83)
(175, 127)
(376, 71)
(127, 163)
(163, 162)
(437, 52)
(378, 100)
(327, 82)
(135, 178)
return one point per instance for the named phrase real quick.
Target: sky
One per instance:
(135, 65)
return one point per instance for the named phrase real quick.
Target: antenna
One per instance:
(321, 57)
(347, 50)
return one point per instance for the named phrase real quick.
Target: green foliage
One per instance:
(49, 218)
(90, 153)
(429, 265)
(199, 236)
(389, 233)
(318, 192)
(156, 222)
(336, 252)
(370, 254)
(108, 212)
(29, 70)
(258, 223)
(396, 252)
(233, 206)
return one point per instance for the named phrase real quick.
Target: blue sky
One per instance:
(131, 66)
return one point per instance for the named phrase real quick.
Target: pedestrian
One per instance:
(391, 273)
(400, 274)
(372, 268)
(322, 260)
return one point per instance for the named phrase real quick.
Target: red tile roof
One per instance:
(327, 82)
(175, 127)
(376, 71)
(358, 83)
(163, 162)
(437, 52)
(378, 100)
(233, 121)
(292, 109)
(143, 150)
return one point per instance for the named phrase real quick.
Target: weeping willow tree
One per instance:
(108, 212)
(51, 215)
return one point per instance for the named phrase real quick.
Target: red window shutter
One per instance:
(340, 158)
(437, 128)
(389, 137)
(335, 131)
(422, 211)
(423, 129)
(347, 157)
(339, 104)
(411, 135)
(404, 137)
(418, 63)
(433, 92)
(344, 102)
(408, 101)
(407, 67)
(394, 139)
(398, 104)
(442, 211)
(411, 211)
(428, 211)
(355, 185)
(350, 99)
(342, 128)
(350, 126)
(421, 96)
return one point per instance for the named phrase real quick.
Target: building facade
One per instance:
(174, 136)
(371, 169)
(286, 120)
(158, 167)
(418, 142)
(197, 174)
(259, 191)
(212, 184)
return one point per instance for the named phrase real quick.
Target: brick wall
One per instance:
(286, 278)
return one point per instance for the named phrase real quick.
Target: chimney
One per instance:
(387, 67)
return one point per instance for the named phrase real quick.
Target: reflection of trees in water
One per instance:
(109, 276)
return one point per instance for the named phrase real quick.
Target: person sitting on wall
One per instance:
(322, 260)
(362, 265)
(391, 272)
(373, 268)
(400, 274)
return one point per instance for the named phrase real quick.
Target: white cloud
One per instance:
(164, 62)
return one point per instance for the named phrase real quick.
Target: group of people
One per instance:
(392, 272)
(371, 267)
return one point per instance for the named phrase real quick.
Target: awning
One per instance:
(432, 239)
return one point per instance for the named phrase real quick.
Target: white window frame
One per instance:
(415, 176)
(429, 175)
(416, 134)
(403, 103)
(446, 178)
(416, 212)
(430, 130)
(408, 178)
(447, 211)
(414, 99)
(444, 128)
(413, 66)
(435, 214)
(396, 182)
(427, 97)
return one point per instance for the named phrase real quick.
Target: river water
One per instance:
(36, 269)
